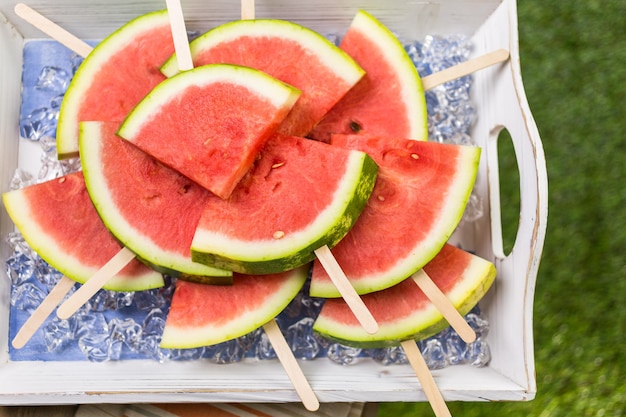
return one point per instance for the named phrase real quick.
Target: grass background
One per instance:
(573, 57)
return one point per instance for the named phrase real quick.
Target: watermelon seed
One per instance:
(415, 156)
(184, 189)
(61, 180)
(355, 127)
(279, 234)
(381, 198)
(278, 164)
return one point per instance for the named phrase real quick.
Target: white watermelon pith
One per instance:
(202, 315)
(209, 123)
(287, 51)
(403, 312)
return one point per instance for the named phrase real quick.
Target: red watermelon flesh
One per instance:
(60, 223)
(265, 199)
(150, 208)
(202, 315)
(403, 311)
(299, 196)
(288, 52)
(116, 75)
(209, 123)
(419, 197)
(389, 100)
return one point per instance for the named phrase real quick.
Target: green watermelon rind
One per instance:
(68, 124)
(126, 233)
(336, 60)
(47, 247)
(459, 194)
(476, 281)
(188, 337)
(276, 92)
(391, 46)
(295, 249)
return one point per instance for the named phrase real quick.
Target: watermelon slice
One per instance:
(300, 195)
(417, 202)
(202, 315)
(150, 208)
(209, 123)
(59, 222)
(292, 53)
(403, 311)
(115, 76)
(389, 100)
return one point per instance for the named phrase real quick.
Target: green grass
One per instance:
(573, 56)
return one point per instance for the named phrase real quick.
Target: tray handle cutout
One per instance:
(505, 192)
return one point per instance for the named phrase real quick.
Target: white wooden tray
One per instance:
(500, 101)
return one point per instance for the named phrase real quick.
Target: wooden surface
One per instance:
(367, 410)
(43, 411)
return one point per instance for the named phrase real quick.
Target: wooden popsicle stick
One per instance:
(53, 30)
(95, 283)
(445, 307)
(276, 337)
(179, 33)
(291, 366)
(464, 68)
(429, 386)
(247, 9)
(347, 291)
(42, 312)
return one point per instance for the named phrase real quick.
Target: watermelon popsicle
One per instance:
(69, 235)
(463, 277)
(205, 315)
